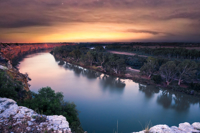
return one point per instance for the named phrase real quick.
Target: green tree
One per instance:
(76, 54)
(99, 48)
(116, 64)
(10, 88)
(168, 70)
(101, 58)
(149, 68)
(90, 57)
(51, 103)
(185, 70)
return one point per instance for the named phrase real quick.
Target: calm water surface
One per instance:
(103, 100)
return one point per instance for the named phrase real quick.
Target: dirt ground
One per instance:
(125, 53)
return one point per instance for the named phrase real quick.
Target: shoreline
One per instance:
(135, 79)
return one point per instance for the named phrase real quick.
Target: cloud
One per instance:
(23, 23)
(180, 18)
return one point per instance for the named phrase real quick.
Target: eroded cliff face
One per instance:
(10, 51)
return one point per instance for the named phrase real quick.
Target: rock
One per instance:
(196, 125)
(186, 127)
(8, 107)
(30, 123)
(9, 65)
(23, 116)
(3, 67)
(160, 129)
(19, 116)
(175, 129)
(28, 128)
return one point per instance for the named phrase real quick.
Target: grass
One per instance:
(147, 127)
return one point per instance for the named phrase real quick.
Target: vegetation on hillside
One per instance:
(46, 101)
(11, 88)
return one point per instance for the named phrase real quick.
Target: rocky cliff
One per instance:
(183, 128)
(14, 118)
(12, 50)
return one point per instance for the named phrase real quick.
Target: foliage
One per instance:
(90, 57)
(115, 64)
(10, 88)
(168, 70)
(51, 103)
(102, 57)
(186, 69)
(149, 68)
(178, 53)
(40, 118)
(157, 79)
(135, 62)
(99, 48)
(195, 86)
(76, 54)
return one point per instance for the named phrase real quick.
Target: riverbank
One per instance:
(15, 85)
(13, 74)
(136, 77)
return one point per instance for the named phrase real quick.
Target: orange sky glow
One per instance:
(99, 20)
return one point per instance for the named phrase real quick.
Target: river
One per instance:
(105, 100)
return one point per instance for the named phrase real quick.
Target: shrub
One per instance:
(10, 88)
(157, 79)
(195, 86)
(51, 103)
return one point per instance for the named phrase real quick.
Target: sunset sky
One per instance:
(99, 20)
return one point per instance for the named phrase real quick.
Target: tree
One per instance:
(51, 103)
(150, 67)
(101, 58)
(168, 70)
(76, 54)
(185, 70)
(99, 48)
(90, 57)
(116, 64)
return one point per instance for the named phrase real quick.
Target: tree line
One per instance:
(178, 53)
(156, 68)
(110, 63)
(181, 71)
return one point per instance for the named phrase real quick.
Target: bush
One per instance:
(157, 79)
(50, 103)
(10, 88)
(195, 86)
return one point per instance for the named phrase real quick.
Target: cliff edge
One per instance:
(14, 118)
(183, 128)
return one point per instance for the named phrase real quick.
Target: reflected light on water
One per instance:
(103, 99)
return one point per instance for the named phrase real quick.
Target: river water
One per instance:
(105, 100)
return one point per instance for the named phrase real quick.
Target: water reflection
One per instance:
(104, 99)
(169, 99)
(82, 71)
(148, 90)
(111, 83)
